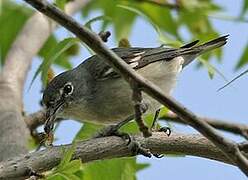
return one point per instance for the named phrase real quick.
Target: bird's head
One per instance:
(66, 90)
(59, 93)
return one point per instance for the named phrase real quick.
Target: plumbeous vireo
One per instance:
(94, 92)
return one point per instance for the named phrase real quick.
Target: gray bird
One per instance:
(94, 92)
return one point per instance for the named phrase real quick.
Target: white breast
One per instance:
(163, 73)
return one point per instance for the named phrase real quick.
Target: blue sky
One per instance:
(194, 89)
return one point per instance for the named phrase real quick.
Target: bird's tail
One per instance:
(198, 50)
(218, 42)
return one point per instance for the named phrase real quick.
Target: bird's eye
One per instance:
(68, 88)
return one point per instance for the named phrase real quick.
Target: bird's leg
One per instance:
(134, 146)
(113, 129)
(154, 122)
(166, 130)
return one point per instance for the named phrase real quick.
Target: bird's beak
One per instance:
(51, 113)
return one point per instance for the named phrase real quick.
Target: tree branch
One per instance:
(235, 128)
(35, 119)
(227, 146)
(112, 147)
(18, 60)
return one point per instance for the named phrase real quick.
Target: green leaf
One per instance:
(62, 176)
(95, 19)
(142, 166)
(205, 6)
(80, 174)
(243, 60)
(163, 38)
(140, 13)
(55, 177)
(71, 167)
(121, 20)
(71, 176)
(52, 56)
(168, 41)
(121, 169)
(160, 16)
(62, 60)
(212, 70)
(12, 19)
(66, 158)
(130, 128)
(123, 23)
(61, 4)
(87, 131)
(67, 169)
(244, 8)
(163, 111)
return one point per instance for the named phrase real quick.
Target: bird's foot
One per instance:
(132, 144)
(154, 128)
(167, 131)
(137, 149)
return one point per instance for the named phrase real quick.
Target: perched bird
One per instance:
(94, 92)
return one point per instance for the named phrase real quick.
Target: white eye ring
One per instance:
(68, 89)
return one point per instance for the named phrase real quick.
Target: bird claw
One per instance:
(137, 149)
(134, 146)
(158, 155)
(166, 130)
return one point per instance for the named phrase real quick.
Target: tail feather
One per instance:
(192, 53)
(218, 42)
(189, 45)
(189, 52)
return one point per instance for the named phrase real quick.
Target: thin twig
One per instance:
(234, 79)
(137, 99)
(227, 146)
(35, 119)
(235, 128)
(104, 35)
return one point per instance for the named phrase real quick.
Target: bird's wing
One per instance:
(139, 57)
(135, 57)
